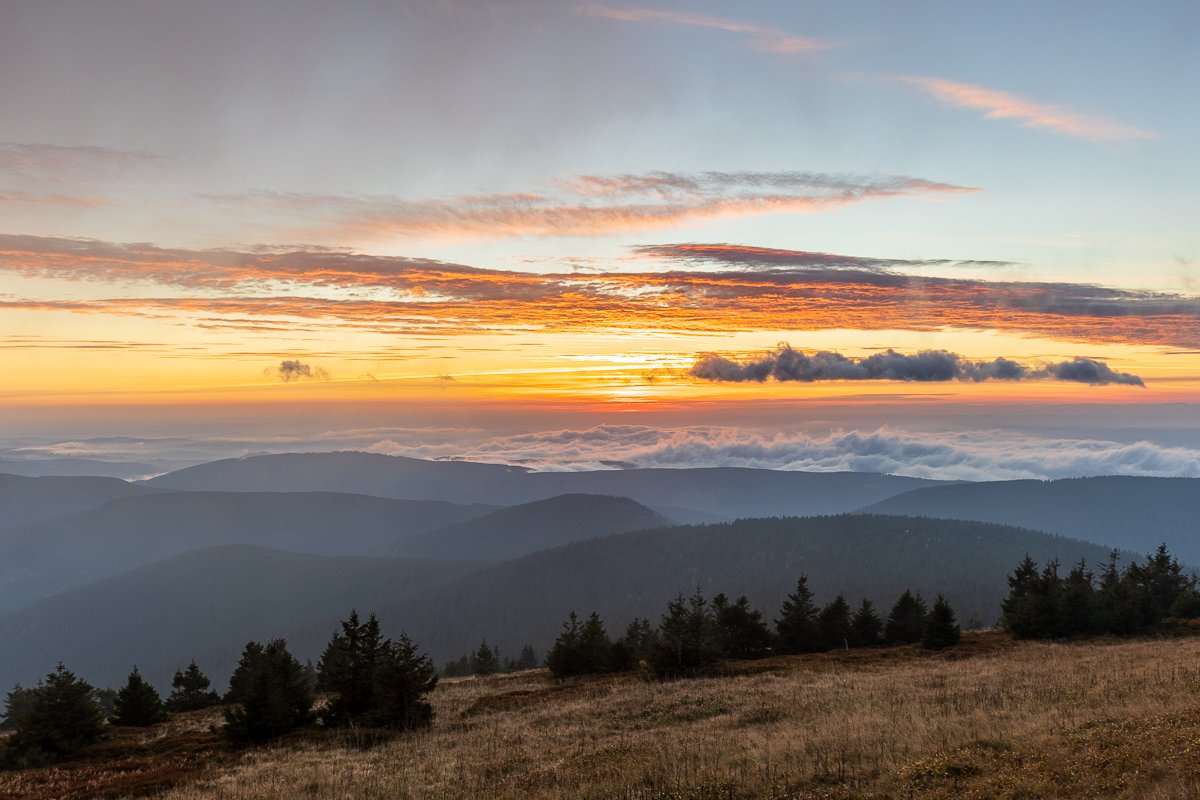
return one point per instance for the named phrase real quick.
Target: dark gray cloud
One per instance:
(295, 370)
(786, 363)
(1087, 370)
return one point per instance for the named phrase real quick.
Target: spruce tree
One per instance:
(239, 682)
(595, 648)
(138, 704)
(636, 646)
(688, 642)
(1160, 582)
(63, 718)
(1046, 601)
(865, 626)
(796, 629)
(349, 667)
(1017, 613)
(941, 627)
(403, 679)
(906, 621)
(565, 658)
(833, 621)
(485, 660)
(744, 632)
(190, 690)
(527, 660)
(1115, 608)
(272, 694)
(1076, 601)
(457, 667)
(17, 704)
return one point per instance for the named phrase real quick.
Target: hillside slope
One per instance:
(1130, 513)
(28, 499)
(724, 492)
(635, 574)
(205, 604)
(55, 555)
(519, 530)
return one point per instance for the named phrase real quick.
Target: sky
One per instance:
(665, 231)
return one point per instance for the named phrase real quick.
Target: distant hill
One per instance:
(348, 472)
(207, 603)
(723, 492)
(77, 467)
(24, 499)
(1131, 513)
(204, 604)
(635, 574)
(519, 530)
(50, 556)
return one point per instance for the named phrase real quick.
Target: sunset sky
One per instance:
(420, 226)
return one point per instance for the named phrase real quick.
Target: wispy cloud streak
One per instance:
(1028, 113)
(34, 158)
(750, 257)
(591, 205)
(762, 37)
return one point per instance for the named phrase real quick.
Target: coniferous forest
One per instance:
(369, 680)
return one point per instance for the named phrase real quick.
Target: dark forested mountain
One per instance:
(516, 531)
(46, 557)
(725, 492)
(634, 574)
(1132, 513)
(205, 604)
(25, 499)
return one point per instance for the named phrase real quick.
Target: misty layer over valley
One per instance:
(102, 573)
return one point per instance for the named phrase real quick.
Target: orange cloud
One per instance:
(1029, 113)
(797, 292)
(763, 37)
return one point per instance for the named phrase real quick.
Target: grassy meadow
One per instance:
(989, 718)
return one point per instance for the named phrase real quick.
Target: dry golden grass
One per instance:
(131, 761)
(991, 719)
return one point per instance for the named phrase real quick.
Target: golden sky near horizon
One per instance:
(606, 206)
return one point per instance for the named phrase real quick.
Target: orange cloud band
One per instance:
(429, 297)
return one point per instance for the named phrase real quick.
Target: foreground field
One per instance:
(992, 718)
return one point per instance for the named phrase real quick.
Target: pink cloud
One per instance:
(766, 38)
(590, 205)
(1029, 113)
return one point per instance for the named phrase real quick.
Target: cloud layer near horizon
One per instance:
(786, 363)
(959, 455)
(976, 455)
(707, 289)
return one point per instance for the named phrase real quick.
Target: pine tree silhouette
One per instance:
(138, 704)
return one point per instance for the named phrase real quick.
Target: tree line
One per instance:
(695, 635)
(1042, 604)
(371, 681)
(378, 682)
